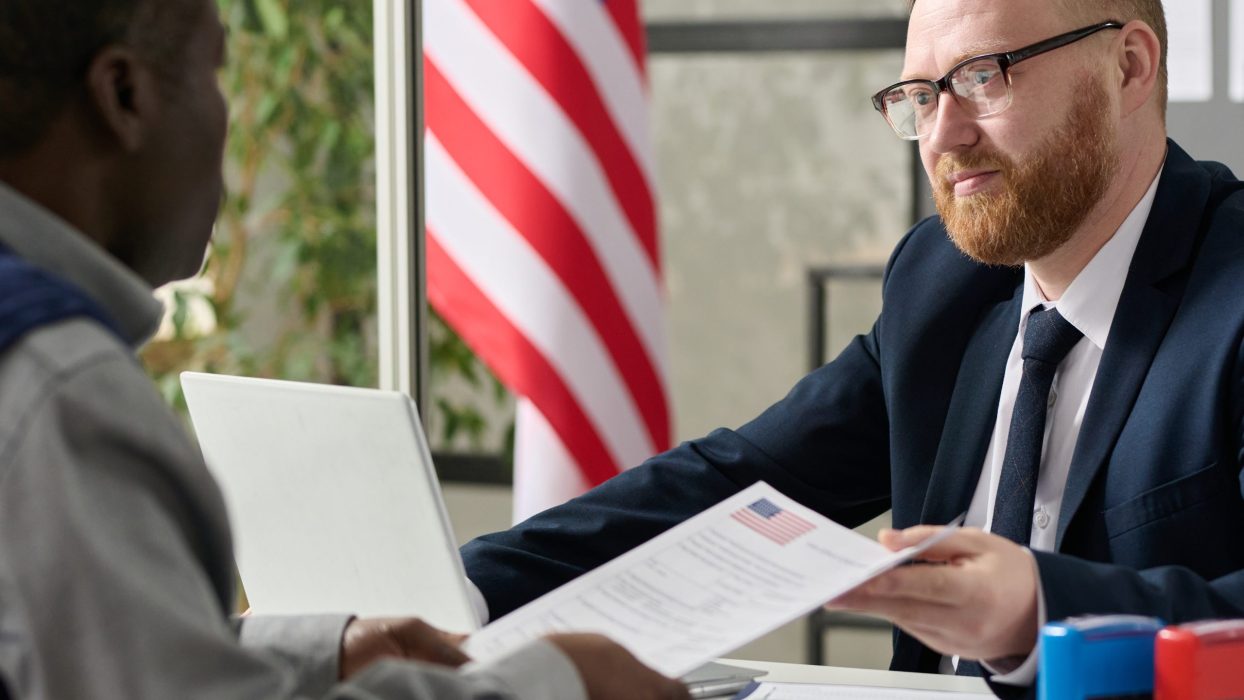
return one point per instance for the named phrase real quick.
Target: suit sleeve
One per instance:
(1176, 594)
(826, 444)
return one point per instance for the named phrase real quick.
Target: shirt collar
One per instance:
(45, 240)
(1090, 302)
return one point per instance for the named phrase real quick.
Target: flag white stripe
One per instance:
(795, 522)
(531, 124)
(760, 525)
(777, 523)
(545, 473)
(523, 288)
(604, 52)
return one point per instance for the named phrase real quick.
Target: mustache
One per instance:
(949, 164)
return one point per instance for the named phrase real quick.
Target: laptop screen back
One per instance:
(334, 501)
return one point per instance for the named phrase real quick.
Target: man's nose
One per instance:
(954, 128)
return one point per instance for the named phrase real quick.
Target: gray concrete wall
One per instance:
(770, 9)
(767, 165)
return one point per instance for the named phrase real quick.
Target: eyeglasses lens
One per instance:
(980, 87)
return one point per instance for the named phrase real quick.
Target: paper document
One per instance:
(803, 691)
(742, 568)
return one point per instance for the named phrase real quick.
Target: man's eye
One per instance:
(981, 77)
(923, 98)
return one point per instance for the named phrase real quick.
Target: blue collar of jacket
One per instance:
(31, 297)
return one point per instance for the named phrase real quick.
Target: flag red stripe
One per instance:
(777, 523)
(541, 48)
(795, 521)
(791, 523)
(768, 523)
(742, 518)
(761, 526)
(625, 14)
(791, 516)
(783, 527)
(514, 360)
(541, 219)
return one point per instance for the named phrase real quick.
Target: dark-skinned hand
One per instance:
(368, 640)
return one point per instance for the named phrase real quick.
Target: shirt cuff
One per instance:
(1005, 671)
(478, 602)
(535, 670)
(309, 645)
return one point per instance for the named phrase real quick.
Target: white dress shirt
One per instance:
(1088, 304)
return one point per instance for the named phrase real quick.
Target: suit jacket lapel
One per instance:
(973, 412)
(1145, 311)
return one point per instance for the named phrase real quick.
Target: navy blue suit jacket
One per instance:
(1153, 518)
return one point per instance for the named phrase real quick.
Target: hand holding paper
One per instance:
(979, 601)
(734, 572)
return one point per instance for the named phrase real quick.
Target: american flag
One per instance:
(779, 525)
(542, 248)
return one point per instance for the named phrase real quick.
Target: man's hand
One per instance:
(367, 641)
(610, 672)
(976, 596)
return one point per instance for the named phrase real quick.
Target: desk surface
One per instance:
(801, 673)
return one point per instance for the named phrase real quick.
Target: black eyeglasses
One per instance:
(981, 85)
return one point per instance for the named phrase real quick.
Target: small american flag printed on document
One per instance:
(771, 521)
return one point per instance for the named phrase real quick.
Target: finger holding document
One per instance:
(979, 602)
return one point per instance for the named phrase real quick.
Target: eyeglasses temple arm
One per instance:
(1059, 41)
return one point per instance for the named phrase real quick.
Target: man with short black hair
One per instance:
(40, 69)
(116, 564)
(1060, 354)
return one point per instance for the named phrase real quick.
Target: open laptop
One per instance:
(334, 501)
(336, 506)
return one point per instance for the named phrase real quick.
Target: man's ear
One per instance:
(1140, 60)
(121, 91)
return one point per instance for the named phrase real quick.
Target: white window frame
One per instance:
(401, 281)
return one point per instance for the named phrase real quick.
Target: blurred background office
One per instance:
(779, 193)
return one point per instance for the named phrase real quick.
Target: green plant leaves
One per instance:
(292, 267)
(273, 17)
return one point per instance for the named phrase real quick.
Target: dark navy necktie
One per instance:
(1047, 340)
